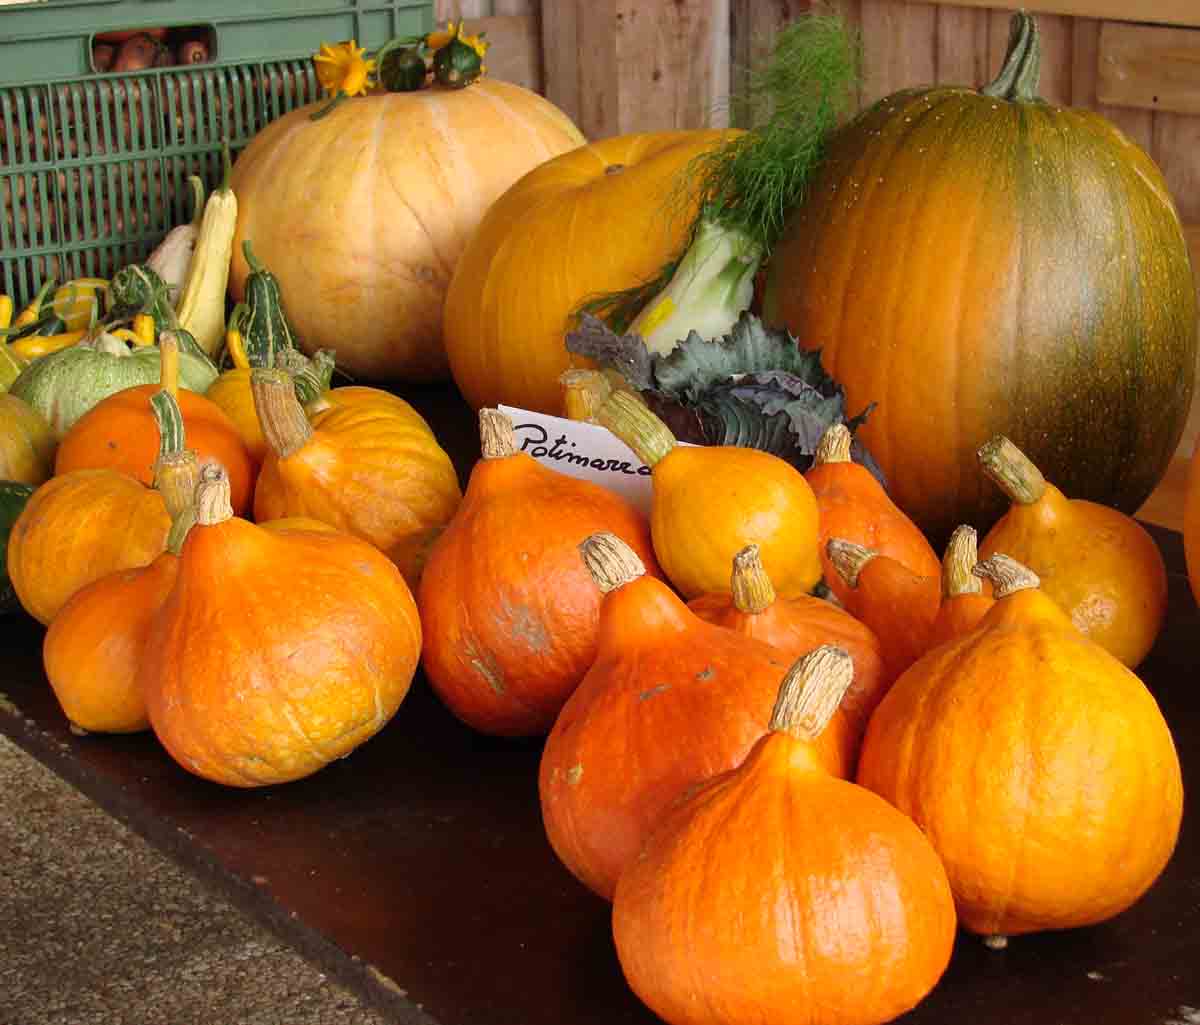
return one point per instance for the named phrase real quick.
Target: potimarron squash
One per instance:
(986, 262)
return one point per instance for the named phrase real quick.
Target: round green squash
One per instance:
(981, 263)
(13, 496)
(64, 385)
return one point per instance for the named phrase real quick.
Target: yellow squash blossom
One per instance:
(342, 68)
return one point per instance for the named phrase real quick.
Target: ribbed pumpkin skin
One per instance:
(78, 527)
(508, 609)
(1039, 766)
(979, 266)
(362, 215)
(595, 220)
(253, 693)
(372, 468)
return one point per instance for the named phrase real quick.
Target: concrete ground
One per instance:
(99, 928)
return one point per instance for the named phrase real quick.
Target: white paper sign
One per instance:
(582, 450)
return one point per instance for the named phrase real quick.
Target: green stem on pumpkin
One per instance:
(634, 423)
(169, 418)
(313, 381)
(1018, 78)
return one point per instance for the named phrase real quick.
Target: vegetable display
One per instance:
(965, 601)
(985, 262)
(1039, 766)
(779, 893)
(509, 610)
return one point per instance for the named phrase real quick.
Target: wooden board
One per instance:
(1149, 66)
(1167, 12)
(416, 870)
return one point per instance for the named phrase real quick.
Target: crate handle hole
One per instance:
(126, 51)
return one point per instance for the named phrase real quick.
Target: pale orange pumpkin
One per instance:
(599, 219)
(362, 214)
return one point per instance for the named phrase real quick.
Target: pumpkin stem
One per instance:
(102, 341)
(181, 523)
(212, 496)
(584, 392)
(313, 379)
(752, 589)
(168, 354)
(496, 435)
(610, 561)
(997, 941)
(1007, 575)
(958, 564)
(848, 558)
(631, 421)
(811, 692)
(1018, 78)
(834, 446)
(175, 478)
(1012, 470)
(284, 423)
(169, 418)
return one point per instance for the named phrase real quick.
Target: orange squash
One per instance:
(90, 655)
(854, 505)
(669, 701)
(1039, 766)
(777, 893)
(599, 219)
(796, 626)
(254, 693)
(508, 609)
(897, 604)
(120, 432)
(1102, 567)
(362, 215)
(709, 502)
(965, 600)
(366, 463)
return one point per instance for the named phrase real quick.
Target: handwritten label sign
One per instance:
(586, 451)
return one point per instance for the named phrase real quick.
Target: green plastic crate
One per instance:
(94, 167)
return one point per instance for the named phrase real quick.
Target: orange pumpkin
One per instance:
(599, 219)
(508, 609)
(965, 600)
(897, 604)
(120, 432)
(367, 464)
(669, 701)
(777, 893)
(250, 693)
(853, 505)
(1102, 567)
(362, 214)
(796, 626)
(1039, 766)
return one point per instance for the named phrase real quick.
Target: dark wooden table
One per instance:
(416, 870)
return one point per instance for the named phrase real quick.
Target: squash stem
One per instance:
(584, 391)
(284, 423)
(168, 353)
(251, 259)
(496, 439)
(634, 423)
(811, 692)
(180, 525)
(848, 558)
(1018, 78)
(197, 186)
(1011, 470)
(958, 564)
(169, 418)
(212, 496)
(313, 380)
(751, 587)
(175, 478)
(834, 446)
(1007, 575)
(610, 561)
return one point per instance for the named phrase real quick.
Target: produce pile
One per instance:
(870, 621)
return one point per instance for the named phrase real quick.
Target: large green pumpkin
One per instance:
(985, 262)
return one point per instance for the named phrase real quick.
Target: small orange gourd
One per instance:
(509, 610)
(897, 604)
(709, 502)
(120, 432)
(1039, 766)
(777, 893)
(796, 626)
(965, 600)
(251, 693)
(90, 654)
(669, 701)
(366, 464)
(854, 505)
(1101, 566)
